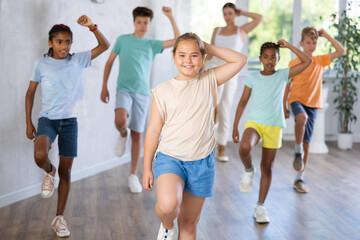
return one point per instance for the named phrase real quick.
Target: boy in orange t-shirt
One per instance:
(305, 97)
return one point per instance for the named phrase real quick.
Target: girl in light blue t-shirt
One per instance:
(265, 118)
(60, 76)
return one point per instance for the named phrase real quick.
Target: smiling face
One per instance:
(309, 45)
(142, 25)
(269, 58)
(188, 59)
(61, 45)
(229, 15)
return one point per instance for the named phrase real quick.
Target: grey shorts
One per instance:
(136, 105)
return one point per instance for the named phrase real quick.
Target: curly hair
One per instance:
(268, 45)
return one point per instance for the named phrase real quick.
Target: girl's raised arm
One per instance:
(235, 61)
(304, 58)
(103, 43)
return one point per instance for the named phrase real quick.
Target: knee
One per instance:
(136, 137)
(189, 225)
(168, 206)
(40, 157)
(301, 118)
(306, 146)
(65, 174)
(244, 149)
(266, 169)
(120, 122)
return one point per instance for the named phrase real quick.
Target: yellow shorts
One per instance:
(271, 135)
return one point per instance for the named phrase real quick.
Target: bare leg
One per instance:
(306, 152)
(136, 142)
(64, 184)
(41, 153)
(249, 139)
(267, 159)
(189, 216)
(300, 122)
(169, 192)
(120, 121)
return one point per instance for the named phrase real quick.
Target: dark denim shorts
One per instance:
(296, 108)
(67, 129)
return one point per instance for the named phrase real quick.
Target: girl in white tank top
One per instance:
(233, 37)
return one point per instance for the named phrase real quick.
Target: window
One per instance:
(276, 25)
(318, 16)
(206, 15)
(277, 22)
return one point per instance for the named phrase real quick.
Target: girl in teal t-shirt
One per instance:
(266, 118)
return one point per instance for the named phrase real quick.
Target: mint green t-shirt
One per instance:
(267, 93)
(135, 58)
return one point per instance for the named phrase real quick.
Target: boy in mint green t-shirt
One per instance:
(136, 54)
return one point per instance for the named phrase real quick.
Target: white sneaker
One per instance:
(134, 184)
(246, 181)
(60, 227)
(261, 215)
(120, 145)
(165, 234)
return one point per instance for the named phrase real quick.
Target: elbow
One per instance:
(106, 45)
(341, 51)
(260, 18)
(309, 61)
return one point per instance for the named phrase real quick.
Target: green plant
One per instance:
(347, 68)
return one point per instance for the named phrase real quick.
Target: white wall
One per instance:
(24, 27)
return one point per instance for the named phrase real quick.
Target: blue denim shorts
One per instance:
(136, 106)
(67, 129)
(296, 108)
(198, 176)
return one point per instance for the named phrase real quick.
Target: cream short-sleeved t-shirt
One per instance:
(187, 111)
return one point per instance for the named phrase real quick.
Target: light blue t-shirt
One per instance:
(267, 97)
(61, 85)
(136, 56)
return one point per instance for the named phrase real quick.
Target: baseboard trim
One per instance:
(33, 190)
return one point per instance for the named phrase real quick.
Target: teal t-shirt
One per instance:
(135, 57)
(267, 97)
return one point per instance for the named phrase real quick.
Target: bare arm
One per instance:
(151, 143)
(235, 61)
(285, 98)
(29, 102)
(339, 49)
(239, 111)
(256, 19)
(103, 43)
(105, 92)
(169, 43)
(304, 58)
(209, 56)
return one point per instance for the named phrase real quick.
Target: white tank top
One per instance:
(233, 42)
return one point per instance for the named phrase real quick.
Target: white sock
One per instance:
(299, 176)
(299, 148)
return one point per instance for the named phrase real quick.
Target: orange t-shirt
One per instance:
(306, 86)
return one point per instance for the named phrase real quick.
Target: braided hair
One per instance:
(55, 30)
(268, 45)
